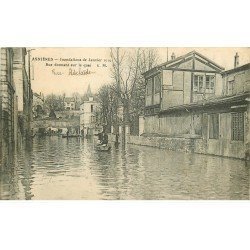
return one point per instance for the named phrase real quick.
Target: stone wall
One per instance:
(176, 144)
(191, 145)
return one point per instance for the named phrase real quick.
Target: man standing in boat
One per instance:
(105, 139)
(100, 136)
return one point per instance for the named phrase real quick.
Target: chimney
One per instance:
(236, 60)
(173, 56)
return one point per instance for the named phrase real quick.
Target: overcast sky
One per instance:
(45, 80)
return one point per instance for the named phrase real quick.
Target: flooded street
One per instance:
(60, 168)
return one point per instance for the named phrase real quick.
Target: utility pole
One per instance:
(29, 64)
(30, 103)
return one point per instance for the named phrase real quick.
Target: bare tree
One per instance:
(54, 102)
(77, 98)
(108, 106)
(127, 68)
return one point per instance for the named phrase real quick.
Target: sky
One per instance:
(73, 77)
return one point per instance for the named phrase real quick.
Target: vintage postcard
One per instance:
(124, 123)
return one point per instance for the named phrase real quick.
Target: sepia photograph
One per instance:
(124, 123)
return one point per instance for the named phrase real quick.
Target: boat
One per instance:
(105, 147)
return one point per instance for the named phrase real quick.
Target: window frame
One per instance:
(149, 91)
(159, 78)
(239, 126)
(232, 83)
(197, 89)
(208, 84)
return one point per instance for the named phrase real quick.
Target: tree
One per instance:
(125, 65)
(77, 98)
(108, 103)
(127, 69)
(54, 102)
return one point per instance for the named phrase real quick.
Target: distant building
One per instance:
(193, 97)
(88, 114)
(69, 103)
(38, 105)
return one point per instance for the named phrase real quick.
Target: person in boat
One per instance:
(116, 139)
(105, 139)
(82, 132)
(100, 136)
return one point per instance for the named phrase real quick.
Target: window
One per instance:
(149, 86)
(156, 110)
(214, 126)
(92, 108)
(92, 119)
(237, 126)
(210, 82)
(198, 83)
(158, 84)
(230, 87)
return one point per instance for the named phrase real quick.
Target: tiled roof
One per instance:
(183, 57)
(240, 68)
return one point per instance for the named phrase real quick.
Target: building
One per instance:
(15, 99)
(7, 102)
(38, 105)
(23, 91)
(193, 98)
(69, 103)
(88, 114)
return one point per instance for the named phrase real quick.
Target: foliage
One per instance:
(54, 102)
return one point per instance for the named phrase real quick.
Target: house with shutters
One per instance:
(88, 112)
(193, 100)
(69, 103)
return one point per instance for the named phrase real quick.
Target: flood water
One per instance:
(60, 168)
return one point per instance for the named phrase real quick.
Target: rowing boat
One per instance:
(105, 147)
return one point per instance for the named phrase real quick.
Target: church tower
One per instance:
(89, 93)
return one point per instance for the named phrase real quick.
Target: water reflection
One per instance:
(60, 168)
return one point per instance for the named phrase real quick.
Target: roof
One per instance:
(38, 96)
(69, 99)
(183, 58)
(240, 68)
(225, 100)
(85, 99)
